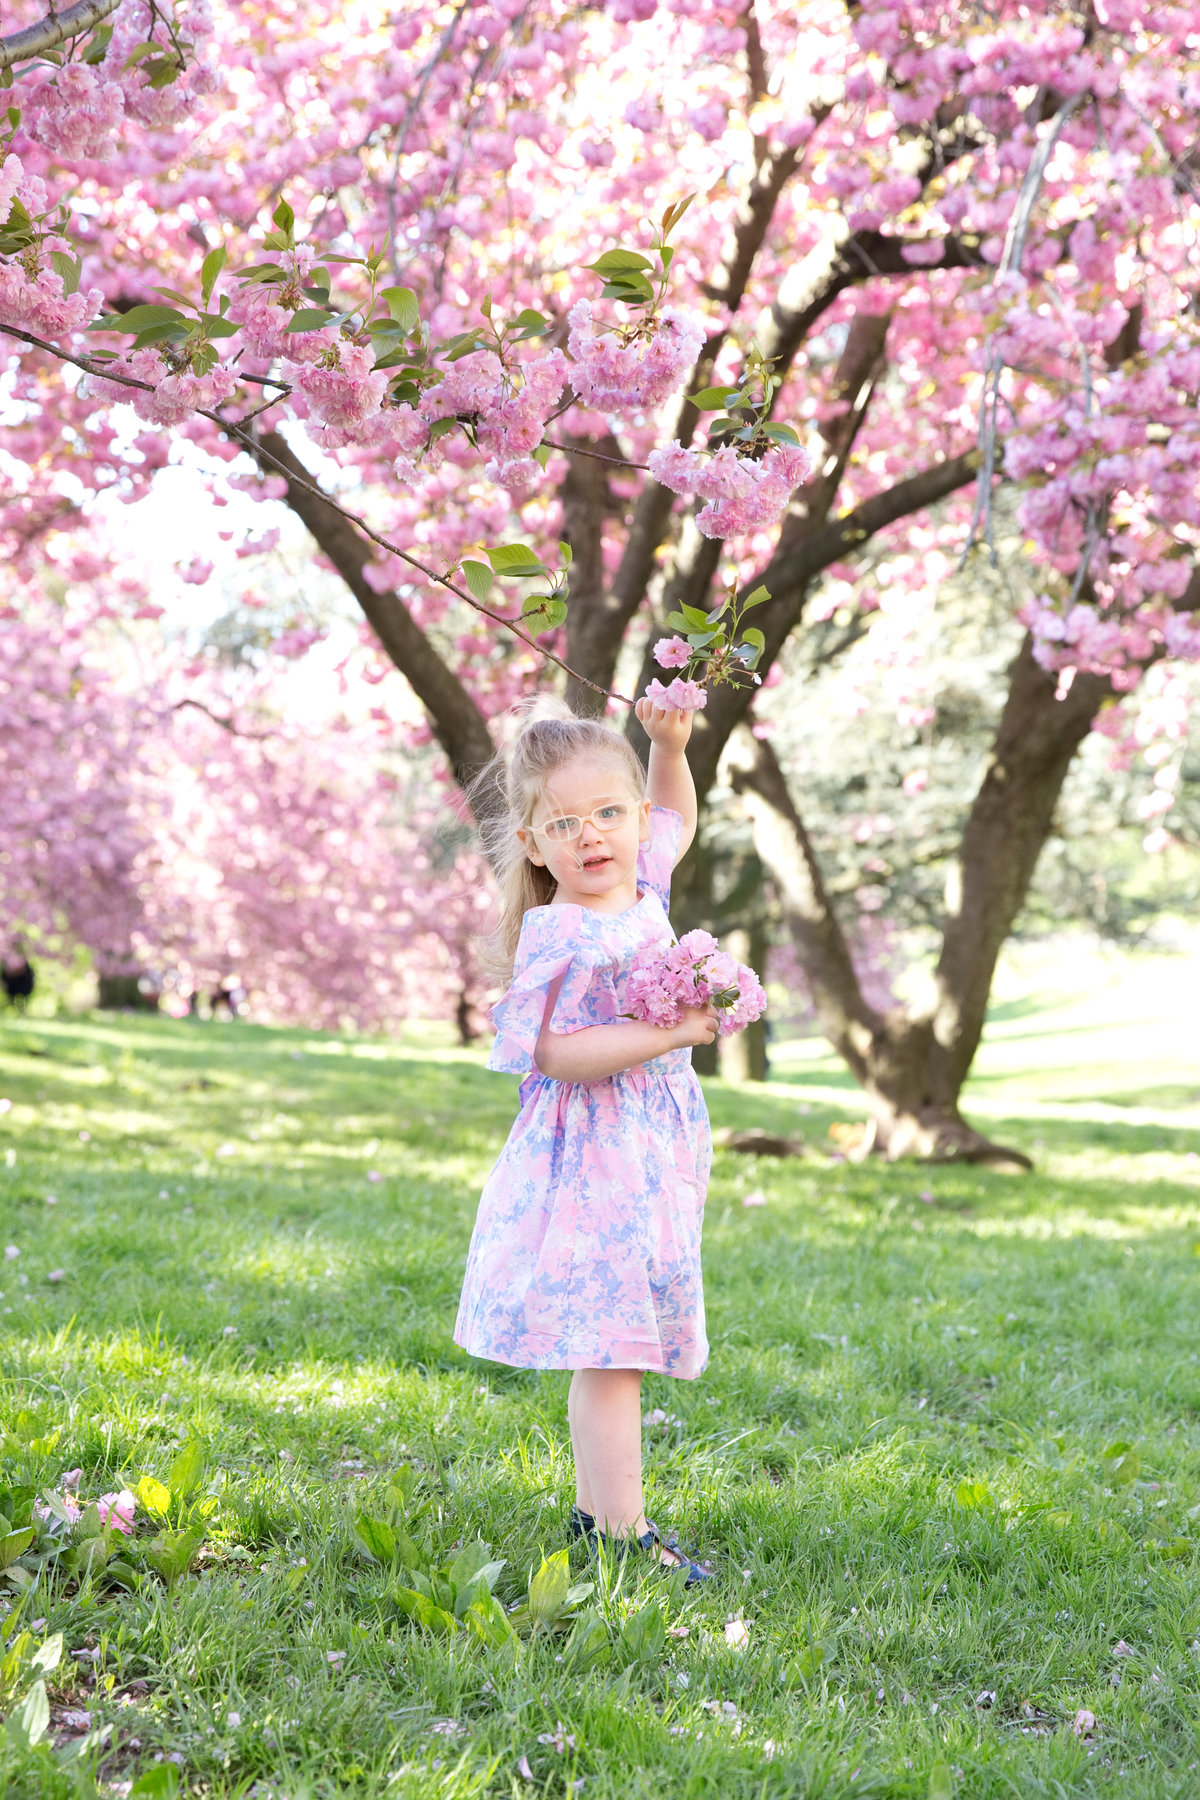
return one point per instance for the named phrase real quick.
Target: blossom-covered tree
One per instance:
(174, 817)
(930, 251)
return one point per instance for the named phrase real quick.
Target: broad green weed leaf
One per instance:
(14, 1544)
(548, 1589)
(643, 1637)
(423, 1611)
(971, 1494)
(29, 1723)
(49, 1654)
(469, 1561)
(159, 1783)
(187, 1471)
(488, 1620)
(941, 1782)
(153, 1496)
(589, 1644)
(378, 1537)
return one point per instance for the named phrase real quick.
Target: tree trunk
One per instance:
(912, 1064)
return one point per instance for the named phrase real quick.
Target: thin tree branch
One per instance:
(235, 428)
(53, 30)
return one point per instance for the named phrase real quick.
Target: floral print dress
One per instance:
(586, 1250)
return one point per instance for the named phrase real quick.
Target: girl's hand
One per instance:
(698, 1026)
(667, 730)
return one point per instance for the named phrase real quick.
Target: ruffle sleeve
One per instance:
(657, 857)
(550, 948)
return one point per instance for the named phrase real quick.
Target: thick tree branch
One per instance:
(787, 578)
(53, 30)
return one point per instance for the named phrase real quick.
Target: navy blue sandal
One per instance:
(581, 1524)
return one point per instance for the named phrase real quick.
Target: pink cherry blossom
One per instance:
(117, 1510)
(672, 653)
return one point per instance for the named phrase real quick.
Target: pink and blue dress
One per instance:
(586, 1249)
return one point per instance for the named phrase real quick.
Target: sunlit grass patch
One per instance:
(906, 1455)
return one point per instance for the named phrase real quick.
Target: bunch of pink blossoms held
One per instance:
(694, 972)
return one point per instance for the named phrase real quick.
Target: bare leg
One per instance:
(605, 1412)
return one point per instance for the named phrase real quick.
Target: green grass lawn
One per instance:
(897, 1456)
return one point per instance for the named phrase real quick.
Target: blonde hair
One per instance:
(504, 796)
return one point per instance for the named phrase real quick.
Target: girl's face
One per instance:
(597, 867)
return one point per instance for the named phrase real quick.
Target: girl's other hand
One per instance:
(667, 729)
(698, 1025)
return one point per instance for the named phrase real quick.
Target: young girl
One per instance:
(586, 1250)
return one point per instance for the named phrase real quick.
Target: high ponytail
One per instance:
(549, 736)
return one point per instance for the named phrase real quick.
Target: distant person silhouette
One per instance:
(17, 978)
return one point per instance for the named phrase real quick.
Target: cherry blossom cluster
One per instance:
(742, 493)
(76, 112)
(33, 295)
(678, 695)
(625, 376)
(694, 972)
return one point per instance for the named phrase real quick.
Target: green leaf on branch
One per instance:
(139, 318)
(97, 47)
(70, 268)
(617, 261)
(712, 399)
(515, 559)
(781, 434)
(283, 216)
(265, 272)
(210, 268)
(541, 613)
(542, 455)
(402, 307)
(478, 578)
(756, 598)
(695, 618)
(677, 622)
(757, 643)
(310, 318)
(530, 324)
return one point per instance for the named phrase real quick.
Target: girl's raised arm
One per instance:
(669, 779)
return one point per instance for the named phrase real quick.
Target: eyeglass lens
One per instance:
(605, 818)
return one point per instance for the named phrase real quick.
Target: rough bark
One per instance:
(456, 721)
(912, 1064)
